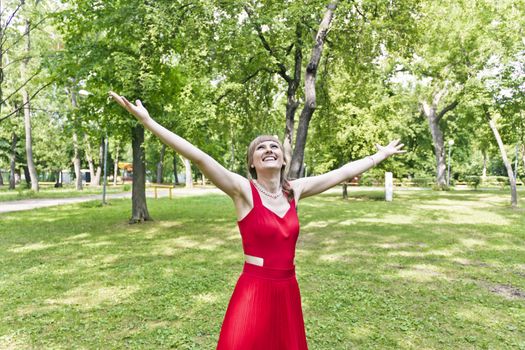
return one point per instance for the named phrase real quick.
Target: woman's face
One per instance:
(268, 155)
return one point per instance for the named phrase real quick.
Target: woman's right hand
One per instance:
(137, 110)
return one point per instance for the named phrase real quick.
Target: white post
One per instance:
(189, 178)
(389, 186)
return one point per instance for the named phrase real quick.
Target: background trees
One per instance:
(220, 73)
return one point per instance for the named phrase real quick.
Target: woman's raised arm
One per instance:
(232, 184)
(309, 186)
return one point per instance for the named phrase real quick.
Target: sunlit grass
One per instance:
(428, 271)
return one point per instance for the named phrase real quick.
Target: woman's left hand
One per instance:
(394, 147)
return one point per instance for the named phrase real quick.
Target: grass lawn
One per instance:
(427, 271)
(51, 192)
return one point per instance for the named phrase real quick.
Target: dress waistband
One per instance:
(268, 272)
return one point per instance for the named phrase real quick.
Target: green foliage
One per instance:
(202, 71)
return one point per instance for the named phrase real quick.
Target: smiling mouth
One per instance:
(268, 158)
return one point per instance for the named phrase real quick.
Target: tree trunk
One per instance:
(27, 115)
(12, 162)
(232, 151)
(76, 163)
(76, 151)
(187, 167)
(523, 158)
(27, 176)
(310, 94)
(2, 42)
(439, 150)
(508, 165)
(58, 182)
(292, 82)
(160, 164)
(291, 101)
(33, 177)
(1, 179)
(345, 191)
(139, 211)
(176, 177)
(115, 167)
(484, 171)
(96, 179)
(434, 117)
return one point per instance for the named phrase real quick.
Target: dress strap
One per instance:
(257, 202)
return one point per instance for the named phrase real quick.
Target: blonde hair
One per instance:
(252, 173)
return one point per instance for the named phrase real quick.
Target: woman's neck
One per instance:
(270, 183)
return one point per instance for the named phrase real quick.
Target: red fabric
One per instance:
(265, 312)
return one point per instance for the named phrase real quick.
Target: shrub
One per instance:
(473, 181)
(423, 181)
(368, 180)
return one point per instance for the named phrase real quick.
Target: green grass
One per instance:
(427, 271)
(50, 192)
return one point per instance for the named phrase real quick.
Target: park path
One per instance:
(29, 204)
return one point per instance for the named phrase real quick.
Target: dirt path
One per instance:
(29, 204)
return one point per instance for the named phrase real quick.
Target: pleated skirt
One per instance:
(264, 312)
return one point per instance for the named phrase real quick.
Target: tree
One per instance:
(501, 88)
(508, 166)
(14, 58)
(125, 47)
(456, 41)
(27, 110)
(269, 41)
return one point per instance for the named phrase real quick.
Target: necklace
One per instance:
(261, 189)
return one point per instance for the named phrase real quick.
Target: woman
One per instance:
(264, 312)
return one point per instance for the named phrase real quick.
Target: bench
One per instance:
(156, 186)
(47, 183)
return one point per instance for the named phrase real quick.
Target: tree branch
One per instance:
(21, 36)
(289, 49)
(17, 60)
(298, 54)
(309, 90)
(23, 105)
(359, 11)
(438, 95)
(446, 109)
(425, 108)
(19, 88)
(12, 16)
(266, 45)
(311, 68)
(244, 81)
(486, 112)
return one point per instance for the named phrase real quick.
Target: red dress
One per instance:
(265, 312)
